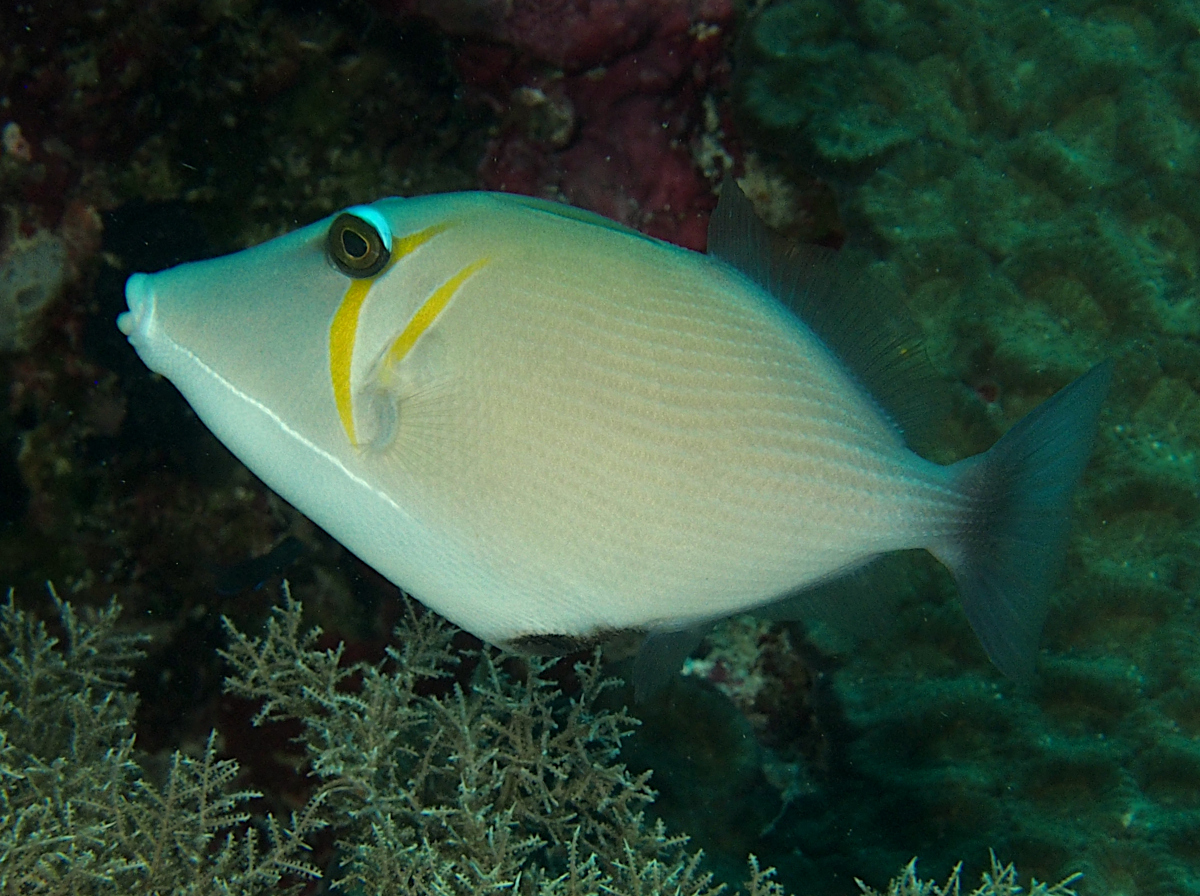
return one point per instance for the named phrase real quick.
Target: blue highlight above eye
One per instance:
(376, 220)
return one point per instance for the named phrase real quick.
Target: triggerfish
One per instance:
(550, 428)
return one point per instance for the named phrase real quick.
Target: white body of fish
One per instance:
(541, 424)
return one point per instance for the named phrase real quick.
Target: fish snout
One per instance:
(139, 297)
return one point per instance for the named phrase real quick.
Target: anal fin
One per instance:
(660, 658)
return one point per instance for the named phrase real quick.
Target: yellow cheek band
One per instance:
(429, 312)
(341, 350)
(343, 330)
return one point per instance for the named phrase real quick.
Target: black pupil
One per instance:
(354, 245)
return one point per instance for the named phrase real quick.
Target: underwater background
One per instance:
(1026, 175)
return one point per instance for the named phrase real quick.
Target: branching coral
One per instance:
(78, 812)
(502, 786)
(999, 880)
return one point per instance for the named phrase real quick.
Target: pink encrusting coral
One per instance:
(602, 104)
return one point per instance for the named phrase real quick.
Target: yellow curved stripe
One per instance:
(343, 329)
(342, 333)
(428, 313)
(406, 244)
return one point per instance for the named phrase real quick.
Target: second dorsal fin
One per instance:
(868, 330)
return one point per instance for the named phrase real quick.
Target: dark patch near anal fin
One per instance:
(551, 644)
(861, 322)
(555, 644)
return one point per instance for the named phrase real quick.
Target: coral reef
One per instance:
(80, 809)
(192, 129)
(431, 787)
(1028, 175)
(999, 880)
(1033, 199)
(453, 789)
(36, 270)
(609, 106)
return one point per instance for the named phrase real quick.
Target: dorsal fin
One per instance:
(869, 331)
(572, 213)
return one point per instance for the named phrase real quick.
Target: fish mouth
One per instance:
(139, 296)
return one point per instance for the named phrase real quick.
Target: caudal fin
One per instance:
(1007, 550)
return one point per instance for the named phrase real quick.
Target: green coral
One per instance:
(1030, 174)
(1012, 149)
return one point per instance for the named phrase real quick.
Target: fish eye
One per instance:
(359, 242)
